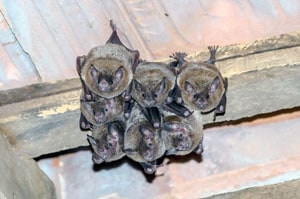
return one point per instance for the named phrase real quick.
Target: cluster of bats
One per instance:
(145, 110)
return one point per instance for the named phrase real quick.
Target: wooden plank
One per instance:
(286, 190)
(264, 179)
(43, 118)
(22, 178)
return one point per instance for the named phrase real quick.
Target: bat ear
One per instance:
(161, 86)
(80, 60)
(92, 142)
(119, 73)
(214, 85)
(188, 87)
(145, 131)
(94, 72)
(170, 126)
(138, 86)
(114, 130)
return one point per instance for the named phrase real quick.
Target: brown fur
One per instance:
(201, 76)
(106, 60)
(102, 137)
(110, 109)
(135, 143)
(150, 75)
(191, 132)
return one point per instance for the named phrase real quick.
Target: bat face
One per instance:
(152, 83)
(107, 143)
(102, 110)
(181, 140)
(107, 70)
(201, 85)
(143, 143)
(182, 135)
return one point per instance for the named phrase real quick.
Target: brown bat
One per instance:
(183, 135)
(202, 86)
(107, 142)
(102, 110)
(152, 82)
(142, 142)
(107, 70)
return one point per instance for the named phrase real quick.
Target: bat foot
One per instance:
(156, 125)
(127, 115)
(88, 97)
(179, 100)
(169, 100)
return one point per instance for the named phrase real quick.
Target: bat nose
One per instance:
(103, 84)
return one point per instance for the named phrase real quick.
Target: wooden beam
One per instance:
(264, 79)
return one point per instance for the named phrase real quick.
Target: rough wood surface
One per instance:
(286, 190)
(22, 178)
(43, 118)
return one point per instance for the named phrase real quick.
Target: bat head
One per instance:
(107, 75)
(150, 96)
(152, 83)
(106, 109)
(107, 147)
(201, 95)
(201, 85)
(180, 138)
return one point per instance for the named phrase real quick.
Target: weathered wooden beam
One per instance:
(287, 190)
(22, 178)
(265, 79)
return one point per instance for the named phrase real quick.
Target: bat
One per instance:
(142, 142)
(202, 85)
(152, 82)
(107, 142)
(107, 70)
(102, 110)
(183, 135)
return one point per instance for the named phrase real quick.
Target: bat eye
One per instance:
(110, 82)
(110, 145)
(180, 135)
(144, 95)
(155, 95)
(106, 110)
(195, 96)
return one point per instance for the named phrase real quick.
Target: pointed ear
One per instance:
(214, 85)
(92, 142)
(119, 73)
(94, 72)
(145, 131)
(188, 87)
(171, 126)
(161, 86)
(114, 130)
(138, 86)
(79, 63)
